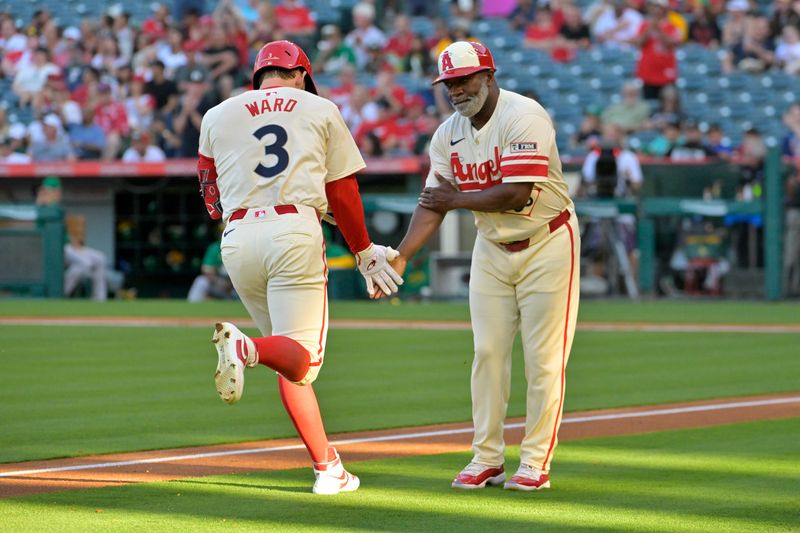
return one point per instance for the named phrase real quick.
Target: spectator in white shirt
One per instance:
(616, 24)
(628, 169)
(7, 154)
(141, 150)
(365, 33)
(788, 51)
(31, 78)
(171, 53)
(12, 46)
(359, 108)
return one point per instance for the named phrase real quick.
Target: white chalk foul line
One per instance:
(405, 436)
(429, 325)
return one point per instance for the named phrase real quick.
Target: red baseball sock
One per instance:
(301, 404)
(283, 355)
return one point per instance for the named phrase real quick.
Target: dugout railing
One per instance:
(391, 186)
(32, 250)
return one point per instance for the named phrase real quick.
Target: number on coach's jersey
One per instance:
(276, 149)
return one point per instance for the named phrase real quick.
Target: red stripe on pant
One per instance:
(324, 306)
(563, 347)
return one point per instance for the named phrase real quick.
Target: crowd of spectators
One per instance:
(111, 89)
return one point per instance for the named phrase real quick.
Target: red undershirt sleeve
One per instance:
(207, 177)
(345, 203)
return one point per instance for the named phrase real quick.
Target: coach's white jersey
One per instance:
(277, 146)
(517, 144)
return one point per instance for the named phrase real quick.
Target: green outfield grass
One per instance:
(81, 390)
(731, 478)
(694, 311)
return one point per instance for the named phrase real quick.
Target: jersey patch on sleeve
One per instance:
(530, 147)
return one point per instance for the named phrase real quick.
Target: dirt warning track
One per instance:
(97, 471)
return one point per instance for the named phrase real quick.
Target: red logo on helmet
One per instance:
(447, 63)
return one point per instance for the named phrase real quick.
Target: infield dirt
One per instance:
(19, 479)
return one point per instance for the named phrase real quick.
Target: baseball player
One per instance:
(271, 162)
(497, 157)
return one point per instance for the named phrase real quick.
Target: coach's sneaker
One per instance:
(528, 478)
(332, 478)
(476, 476)
(236, 350)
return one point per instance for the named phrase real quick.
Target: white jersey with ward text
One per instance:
(277, 146)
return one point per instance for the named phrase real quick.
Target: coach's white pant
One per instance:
(535, 291)
(277, 265)
(85, 263)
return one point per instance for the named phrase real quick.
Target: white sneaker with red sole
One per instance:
(332, 478)
(477, 475)
(236, 351)
(528, 478)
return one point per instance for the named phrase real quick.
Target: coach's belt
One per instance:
(553, 225)
(279, 210)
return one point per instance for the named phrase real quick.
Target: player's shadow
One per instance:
(280, 488)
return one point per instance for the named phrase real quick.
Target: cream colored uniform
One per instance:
(279, 147)
(535, 289)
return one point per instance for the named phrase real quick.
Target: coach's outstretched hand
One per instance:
(373, 263)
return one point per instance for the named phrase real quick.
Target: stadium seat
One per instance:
(422, 25)
(491, 27)
(506, 41)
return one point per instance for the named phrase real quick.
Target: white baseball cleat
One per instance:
(332, 478)
(528, 478)
(236, 350)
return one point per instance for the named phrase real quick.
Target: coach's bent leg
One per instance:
(99, 283)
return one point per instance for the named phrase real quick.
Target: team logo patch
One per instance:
(447, 63)
(524, 147)
(260, 213)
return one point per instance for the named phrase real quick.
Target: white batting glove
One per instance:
(373, 263)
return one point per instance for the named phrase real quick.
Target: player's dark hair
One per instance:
(282, 73)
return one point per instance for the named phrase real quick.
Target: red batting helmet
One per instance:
(463, 58)
(283, 54)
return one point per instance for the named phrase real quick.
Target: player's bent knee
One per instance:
(310, 376)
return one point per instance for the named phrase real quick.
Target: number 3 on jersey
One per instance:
(275, 148)
(527, 209)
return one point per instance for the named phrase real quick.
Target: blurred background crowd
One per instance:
(680, 79)
(624, 80)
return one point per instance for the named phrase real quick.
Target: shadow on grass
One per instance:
(256, 486)
(398, 496)
(606, 493)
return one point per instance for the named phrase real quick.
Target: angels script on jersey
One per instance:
(271, 105)
(476, 176)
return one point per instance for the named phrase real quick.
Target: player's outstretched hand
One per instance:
(399, 265)
(373, 263)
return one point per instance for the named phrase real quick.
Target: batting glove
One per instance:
(373, 263)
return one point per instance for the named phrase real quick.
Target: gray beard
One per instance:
(471, 107)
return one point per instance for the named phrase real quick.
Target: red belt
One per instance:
(553, 225)
(280, 209)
